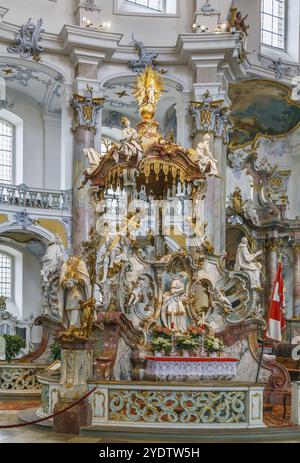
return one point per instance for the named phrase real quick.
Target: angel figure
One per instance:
(129, 144)
(240, 24)
(220, 300)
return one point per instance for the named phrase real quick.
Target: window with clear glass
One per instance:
(156, 5)
(6, 152)
(5, 275)
(273, 19)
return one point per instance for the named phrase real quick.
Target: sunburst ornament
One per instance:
(148, 90)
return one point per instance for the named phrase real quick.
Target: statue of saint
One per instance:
(246, 262)
(74, 288)
(174, 305)
(54, 258)
(112, 253)
(94, 159)
(129, 144)
(204, 157)
(152, 94)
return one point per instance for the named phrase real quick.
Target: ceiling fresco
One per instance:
(261, 108)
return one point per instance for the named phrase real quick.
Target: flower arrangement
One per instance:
(213, 344)
(187, 343)
(160, 344)
(195, 331)
(161, 332)
(161, 339)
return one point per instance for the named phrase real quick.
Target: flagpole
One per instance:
(279, 261)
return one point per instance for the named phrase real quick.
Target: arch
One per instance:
(46, 66)
(35, 230)
(171, 79)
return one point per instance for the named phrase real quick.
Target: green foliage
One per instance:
(13, 345)
(187, 343)
(162, 344)
(55, 351)
(213, 344)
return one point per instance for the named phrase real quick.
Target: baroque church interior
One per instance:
(149, 221)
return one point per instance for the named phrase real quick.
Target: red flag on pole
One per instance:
(276, 320)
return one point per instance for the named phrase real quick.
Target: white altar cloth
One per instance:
(191, 367)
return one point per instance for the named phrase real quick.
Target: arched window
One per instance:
(273, 23)
(6, 267)
(6, 152)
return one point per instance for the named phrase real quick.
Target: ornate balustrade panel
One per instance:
(23, 196)
(203, 407)
(19, 377)
(168, 405)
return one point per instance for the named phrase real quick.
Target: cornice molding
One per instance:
(195, 49)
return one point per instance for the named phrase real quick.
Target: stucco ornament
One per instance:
(27, 40)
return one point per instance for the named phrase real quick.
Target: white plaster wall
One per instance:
(31, 290)
(49, 10)
(41, 142)
(158, 31)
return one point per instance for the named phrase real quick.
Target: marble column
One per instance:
(84, 127)
(273, 249)
(210, 114)
(296, 290)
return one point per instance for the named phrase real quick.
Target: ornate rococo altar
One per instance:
(148, 298)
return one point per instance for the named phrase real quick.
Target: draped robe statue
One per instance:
(204, 157)
(54, 258)
(129, 143)
(246, 262)
(74, 287)
(174, 306)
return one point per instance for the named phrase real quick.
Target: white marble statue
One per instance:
(94, 159)
(222, 300)
(204, 157)
(74, 287)
(247, 262)
(251, 212)
(112, 253)
(54, 258)
(129, 144)
(2, 348)
(174, 304)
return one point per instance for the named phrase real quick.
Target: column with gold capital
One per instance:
(296, 291)
(85, 108)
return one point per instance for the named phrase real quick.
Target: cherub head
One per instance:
(125, 121)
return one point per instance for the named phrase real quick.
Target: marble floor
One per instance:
(280, 431)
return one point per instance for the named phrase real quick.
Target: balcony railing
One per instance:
(23, 196)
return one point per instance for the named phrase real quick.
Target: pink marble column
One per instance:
(296, 290)
(273, 248)
(81, 215)
(84, 126)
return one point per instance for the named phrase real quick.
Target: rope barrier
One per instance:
(19, 425)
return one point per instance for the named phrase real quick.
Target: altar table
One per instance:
(190, 368)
